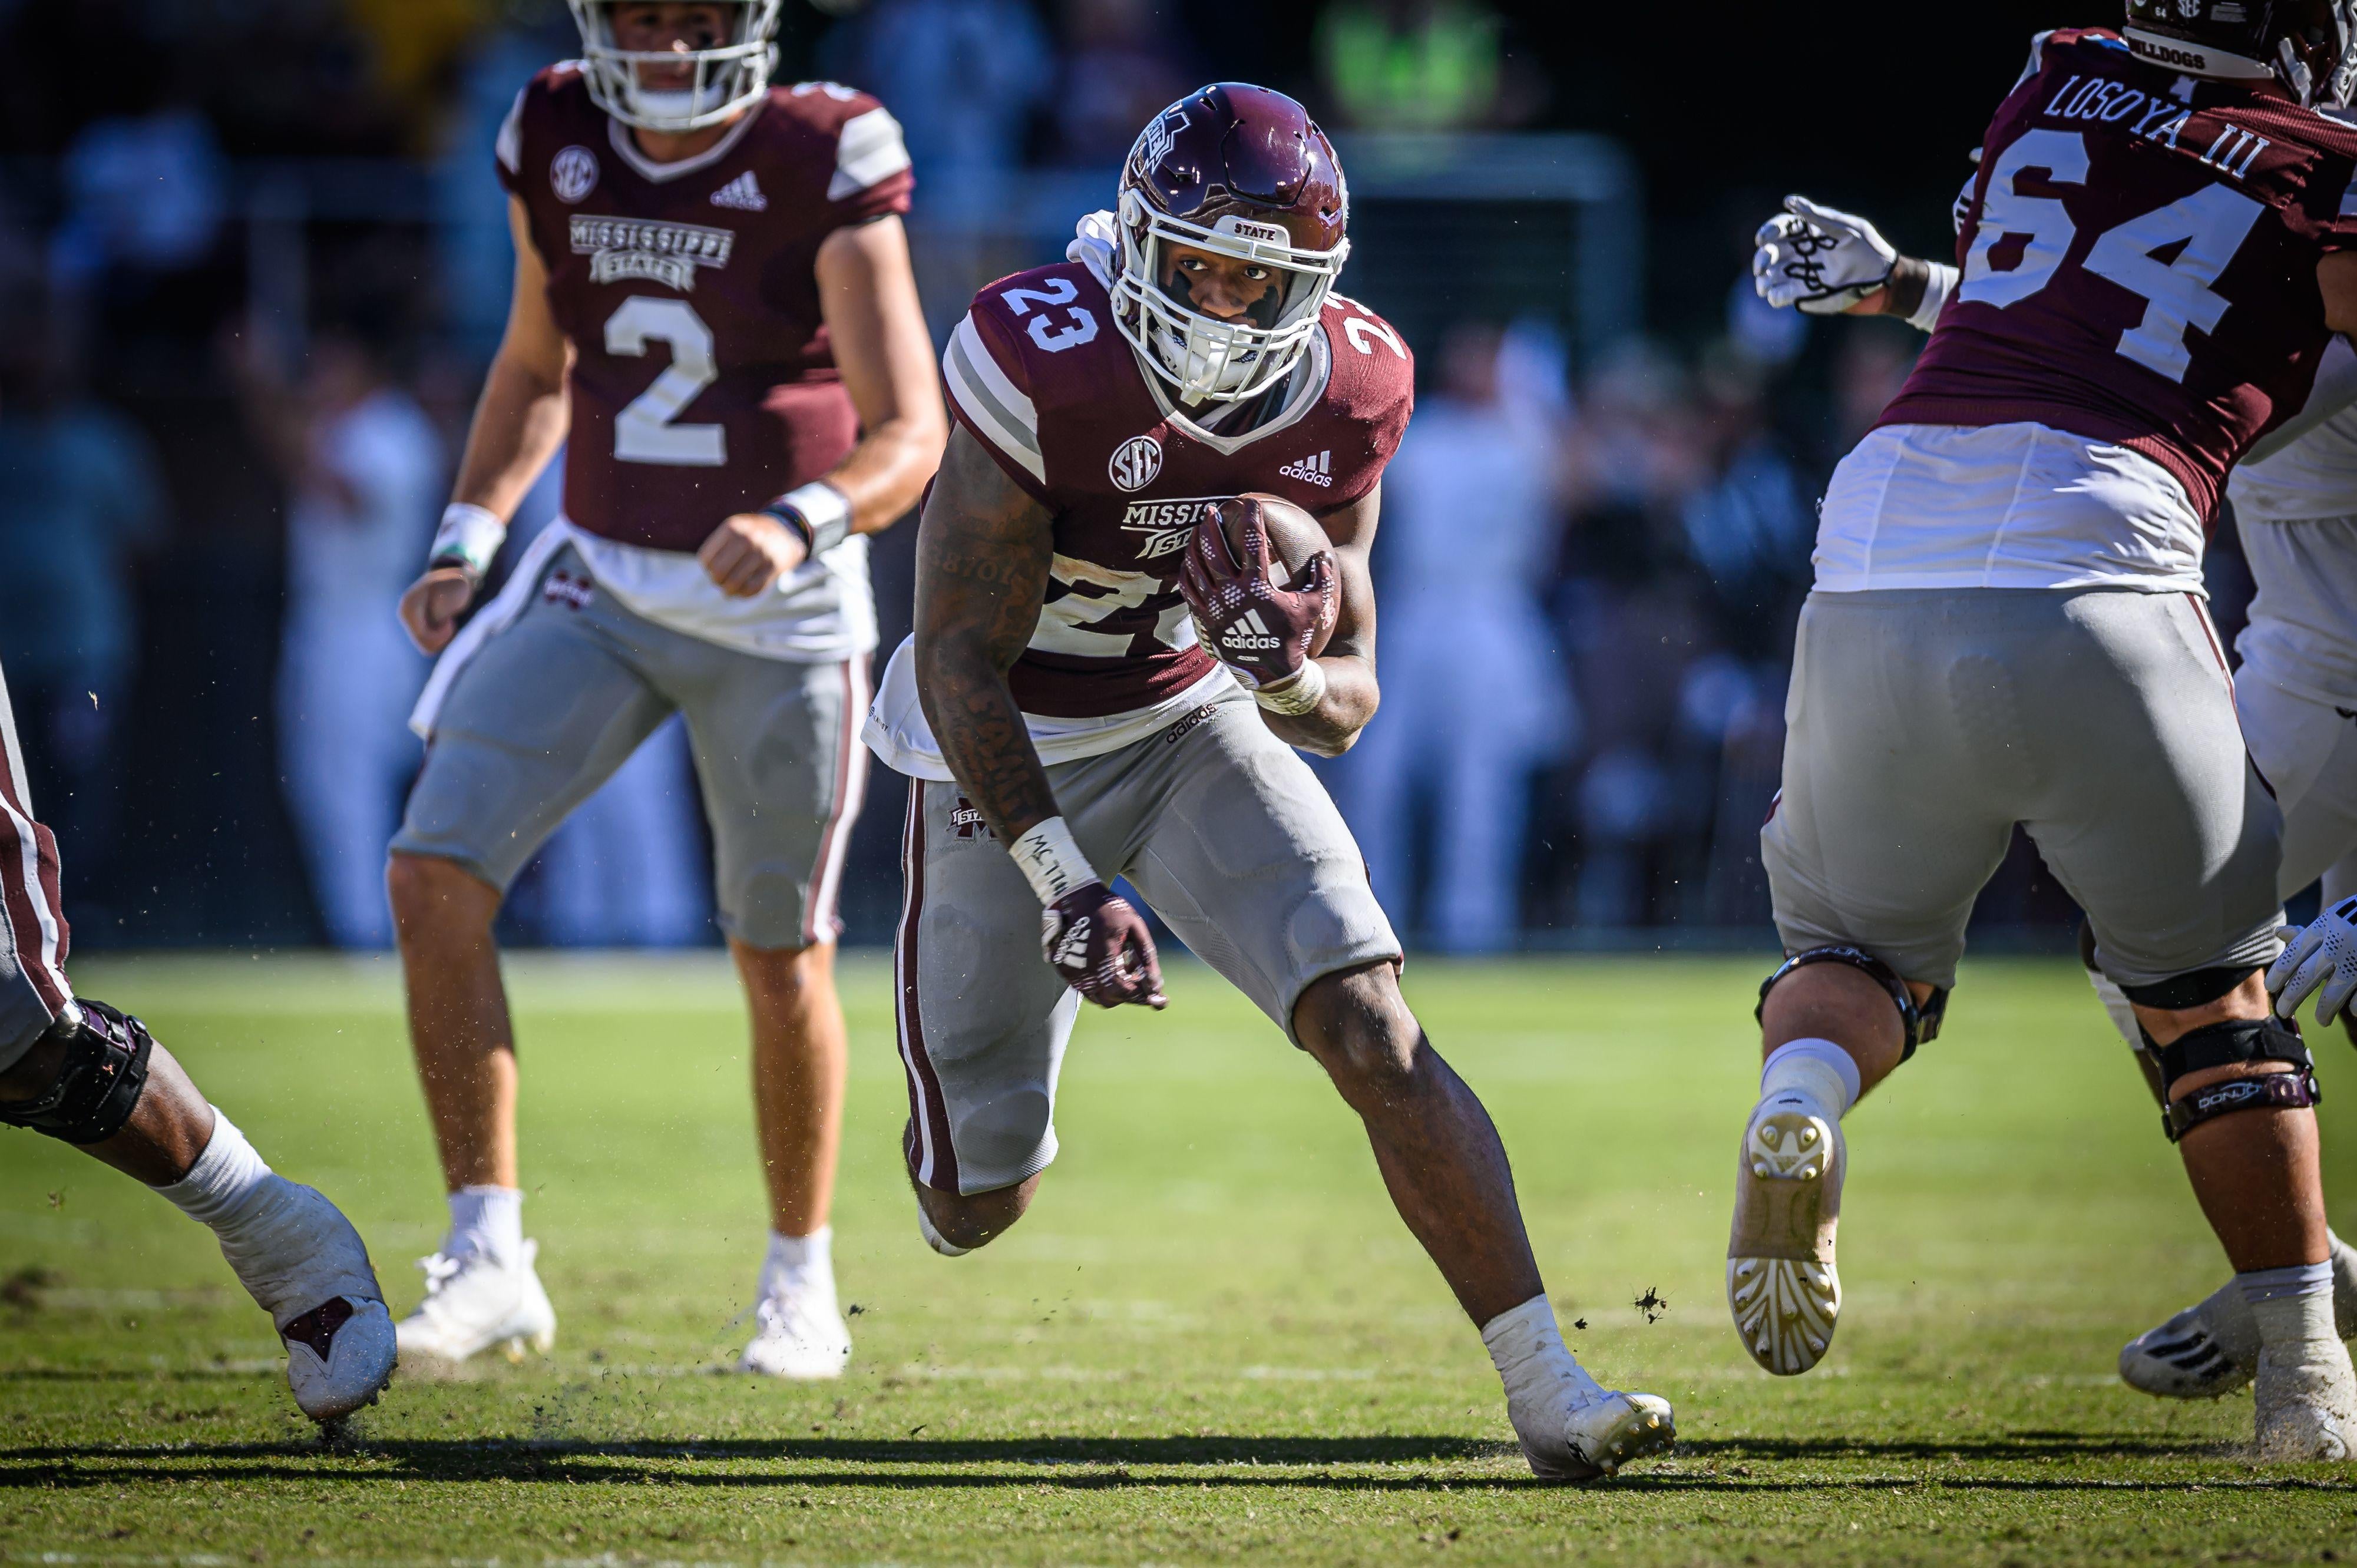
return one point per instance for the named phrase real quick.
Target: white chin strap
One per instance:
(1202, 365)
(677, 105)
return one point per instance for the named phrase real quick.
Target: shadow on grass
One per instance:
(1087, 1464)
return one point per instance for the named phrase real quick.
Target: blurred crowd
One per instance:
(252, 260)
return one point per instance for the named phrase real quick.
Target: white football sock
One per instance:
(1815, 1070)
(224, 1181)
(288, 1246)
(800, 1265)
(1541, 1376)
(488, 1221)
(2291, 1304)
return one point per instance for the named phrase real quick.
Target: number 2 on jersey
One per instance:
(646, 430)
(2210, 224)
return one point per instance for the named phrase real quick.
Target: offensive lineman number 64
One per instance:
(2211, 223)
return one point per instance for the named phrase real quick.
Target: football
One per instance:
(1294, 536)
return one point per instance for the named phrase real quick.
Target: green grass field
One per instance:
(1210, 1341)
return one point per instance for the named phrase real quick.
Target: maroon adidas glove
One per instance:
(1259, 630)
(1102, 947)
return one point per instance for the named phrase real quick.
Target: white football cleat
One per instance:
(2306, 1399)
(475, 1302)
(303, 1264)
(2212, 1347)
(339, 1357)
(1591, 1441)
(1781, 1284)
(801, 1337)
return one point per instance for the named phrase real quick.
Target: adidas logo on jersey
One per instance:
(742, 193)
(1317, 470)
(1249, 635)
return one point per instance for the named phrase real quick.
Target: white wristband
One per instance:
(1936, 290)
(825, 509)
(470, 534)
(1051, 861)
(1297, 695)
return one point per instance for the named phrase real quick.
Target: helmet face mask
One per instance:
(2308, 46)
(1241, 173)
(1214, 357)
(719, 82)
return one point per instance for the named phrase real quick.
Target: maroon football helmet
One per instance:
(1243, 172)
(2310, 46)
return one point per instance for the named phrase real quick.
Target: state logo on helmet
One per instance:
(1238, 171)
(678, 90)
(2308, 46)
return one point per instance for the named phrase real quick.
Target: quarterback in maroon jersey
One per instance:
(715, 314)
(1098, 688)
(2007, 630)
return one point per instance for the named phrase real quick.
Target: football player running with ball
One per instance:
(2007, 629)
(1106, 680)
(91, 1075)
(714, 313)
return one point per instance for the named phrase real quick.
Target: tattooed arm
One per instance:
(982, 548)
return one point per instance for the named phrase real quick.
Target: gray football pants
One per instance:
(1923, 724)
(1222, 828)
(549, 707)
(33, 933)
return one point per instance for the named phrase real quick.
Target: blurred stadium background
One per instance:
(252, 262)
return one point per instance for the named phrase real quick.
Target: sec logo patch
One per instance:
(1135, 462)
(572, 173)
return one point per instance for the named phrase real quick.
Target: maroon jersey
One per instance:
(2138, 262)
(702, 382)
(1037, 374)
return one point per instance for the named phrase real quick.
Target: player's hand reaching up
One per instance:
(1819, 258)
(431, 608)
(1101, 945)
(748, 554)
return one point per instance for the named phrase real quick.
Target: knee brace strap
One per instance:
(2270, 1092)
(2197, 989)
(101, 1072)
(1919, 1024)
(2228, 1044)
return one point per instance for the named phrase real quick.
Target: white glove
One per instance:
(1819, 259)
(2322, 958)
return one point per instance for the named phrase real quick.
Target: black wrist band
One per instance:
(795, 520)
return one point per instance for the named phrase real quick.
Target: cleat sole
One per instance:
(1782, 1288)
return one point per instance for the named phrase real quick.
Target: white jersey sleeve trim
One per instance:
(510, 146)
(997, 406)
(870, 150)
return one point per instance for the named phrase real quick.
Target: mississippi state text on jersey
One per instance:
(703, 383)
(2138, 262)
(1040, 377)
